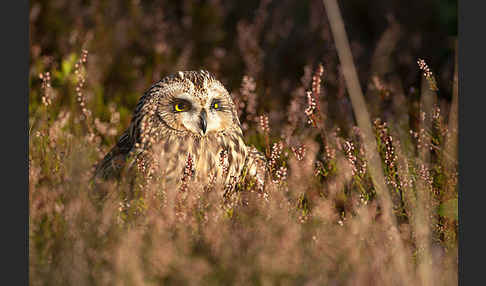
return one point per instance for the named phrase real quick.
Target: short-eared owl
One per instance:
(186, 120)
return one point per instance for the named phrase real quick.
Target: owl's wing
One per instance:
(115, 160)
(256, 166)
(124, 150)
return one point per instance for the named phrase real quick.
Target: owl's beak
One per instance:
(203, 121)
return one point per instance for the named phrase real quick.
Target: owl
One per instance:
(186, 128)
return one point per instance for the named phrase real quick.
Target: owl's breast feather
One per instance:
(218, 157)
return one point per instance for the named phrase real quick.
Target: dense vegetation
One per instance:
(321, 219)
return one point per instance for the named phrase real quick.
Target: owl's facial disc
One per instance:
(201, 110)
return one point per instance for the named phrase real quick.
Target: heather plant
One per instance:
(322, 218)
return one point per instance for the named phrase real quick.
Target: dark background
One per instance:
(133, 44)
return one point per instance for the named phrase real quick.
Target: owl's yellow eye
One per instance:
(181, 106)
(216, 105)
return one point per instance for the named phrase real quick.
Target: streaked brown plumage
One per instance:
(188, 114)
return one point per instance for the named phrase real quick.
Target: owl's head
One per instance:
(195, 102)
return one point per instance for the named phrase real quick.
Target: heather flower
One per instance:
(263, 124)
(47, 97)
(280, 175)
(299, 151)
(275, 155)
(188, 173)
(313, 110)
(428, 74)
(311, 107)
